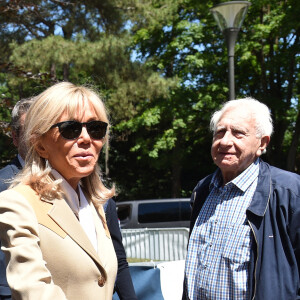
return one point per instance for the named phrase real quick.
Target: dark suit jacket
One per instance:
(124, 286)
(7, 173)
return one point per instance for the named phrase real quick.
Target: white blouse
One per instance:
(80, 207)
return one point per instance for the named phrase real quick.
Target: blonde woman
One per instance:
(52, 225)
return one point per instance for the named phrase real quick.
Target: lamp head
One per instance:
(230, 14)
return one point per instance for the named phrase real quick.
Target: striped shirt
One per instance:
(218, 257)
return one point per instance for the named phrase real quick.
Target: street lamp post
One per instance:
(230, 16)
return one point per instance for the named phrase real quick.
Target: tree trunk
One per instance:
(53, 71)
(275, 153)
(291, 159)
(66, 72)
(106, 159)
(176, 171)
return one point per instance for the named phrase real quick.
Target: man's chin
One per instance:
(225, 162)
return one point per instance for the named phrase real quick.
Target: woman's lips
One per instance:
(84, 155)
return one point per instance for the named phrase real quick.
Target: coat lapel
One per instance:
(61, 214)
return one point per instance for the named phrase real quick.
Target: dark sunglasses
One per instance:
(71, 130)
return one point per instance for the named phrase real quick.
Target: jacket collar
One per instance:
(61, 214)
(262, 193)
(16, 163)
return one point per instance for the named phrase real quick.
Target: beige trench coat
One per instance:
(49, 255)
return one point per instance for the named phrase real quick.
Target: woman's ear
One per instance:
(41, 150)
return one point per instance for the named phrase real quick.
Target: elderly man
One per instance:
(245, 224)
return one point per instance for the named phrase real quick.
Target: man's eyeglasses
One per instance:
(71, 130)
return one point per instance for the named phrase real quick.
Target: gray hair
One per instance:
(259, 111)
(20, 108)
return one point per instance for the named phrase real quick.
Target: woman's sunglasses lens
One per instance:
(70, 130)
(96, 129)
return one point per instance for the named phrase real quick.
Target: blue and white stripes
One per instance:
(219, 247)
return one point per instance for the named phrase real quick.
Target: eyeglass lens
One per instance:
(71, 130)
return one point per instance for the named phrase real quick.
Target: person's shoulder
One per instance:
(8, 193)
(7, 171)
(18, 193)
(204, 182)
(280, 175)
(110, 204)
(110, 201)
(6, 175)
(10, 170)
(285, 179)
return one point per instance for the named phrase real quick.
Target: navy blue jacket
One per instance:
(274, 218)
(9, 172)
(124, 286)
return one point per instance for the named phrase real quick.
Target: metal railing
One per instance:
(161, 244)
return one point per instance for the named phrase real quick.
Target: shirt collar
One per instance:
(71, 196)
(21, 160)
(242, 182)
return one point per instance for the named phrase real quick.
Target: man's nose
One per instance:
(227, 139)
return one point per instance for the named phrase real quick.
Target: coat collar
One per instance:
(261, 197)
(16, 165)
(61, 214)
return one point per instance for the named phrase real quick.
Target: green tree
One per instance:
(161, 67)
(269, 70)
(171, 134)
(94, 50)
(180, 39)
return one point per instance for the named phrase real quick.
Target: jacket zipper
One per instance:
(257, 248)
(256, 258)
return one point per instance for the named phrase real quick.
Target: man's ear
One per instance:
(264, 141)
(15, 138)
(41, 150)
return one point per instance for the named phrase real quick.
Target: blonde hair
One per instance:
(47, 108)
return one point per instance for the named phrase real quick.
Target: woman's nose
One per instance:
(85, 135)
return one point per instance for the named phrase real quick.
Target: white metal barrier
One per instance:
(164, 244)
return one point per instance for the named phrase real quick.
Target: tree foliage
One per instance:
(161, 67)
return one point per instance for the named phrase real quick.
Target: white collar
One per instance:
(81, 208)
(70, 194)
